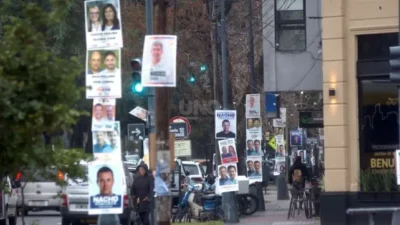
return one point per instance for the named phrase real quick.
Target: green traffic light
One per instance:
(137, 88)
(192, 79)
(203, 68)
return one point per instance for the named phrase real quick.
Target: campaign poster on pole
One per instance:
(146, 152)
(397, 160)
(296, 138)
(227, 178)
(280, 146)
(254, 168)
(107, 144)
(227, 150)
(253, 128)
(280, 166)
(103, 24)
(105, 187)
(303, 155)
(253, 106)
(159, 61)
(225, 124)
(103, 115)
(103, 73)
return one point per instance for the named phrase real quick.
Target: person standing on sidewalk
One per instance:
(142, 192)
(298, 175)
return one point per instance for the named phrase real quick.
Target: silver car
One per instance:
(40, 193)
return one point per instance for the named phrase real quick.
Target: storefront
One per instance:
(360, 105)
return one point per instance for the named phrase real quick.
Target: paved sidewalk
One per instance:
(276, 213)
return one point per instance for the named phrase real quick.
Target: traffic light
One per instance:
(192, 79)
(203, 68)
(394, 62)
(136, 65)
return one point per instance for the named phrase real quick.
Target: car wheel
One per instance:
(65, 222)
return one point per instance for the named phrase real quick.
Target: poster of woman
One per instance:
(227, 150)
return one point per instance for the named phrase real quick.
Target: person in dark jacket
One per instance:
(142, 191)
(298, 186)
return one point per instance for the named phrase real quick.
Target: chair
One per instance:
(298, 197)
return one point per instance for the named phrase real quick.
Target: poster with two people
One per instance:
(227, 150)
(103, 114)
(106, 187)
(227, 178)
(107, 144)
(254, 168)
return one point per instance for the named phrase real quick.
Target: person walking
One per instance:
(298, 175)
(142, 192)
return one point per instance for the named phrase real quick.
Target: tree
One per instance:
(38, 92)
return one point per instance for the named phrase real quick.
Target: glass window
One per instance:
(290, 25)
(192, 169)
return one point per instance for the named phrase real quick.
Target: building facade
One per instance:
(292, 45)
(360, 104)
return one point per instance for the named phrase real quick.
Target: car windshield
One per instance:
(192, 169)
(132, 159)
(48, 175)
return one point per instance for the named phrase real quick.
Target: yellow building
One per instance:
(360, 104)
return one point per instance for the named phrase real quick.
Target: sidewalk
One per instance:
(276, 213)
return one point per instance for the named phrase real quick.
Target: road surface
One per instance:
(41, 218)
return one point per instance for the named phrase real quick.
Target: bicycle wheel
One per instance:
(249, 204)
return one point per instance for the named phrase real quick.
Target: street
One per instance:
(41, 218)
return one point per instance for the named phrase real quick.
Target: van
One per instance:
(75, 198)
(8, 202)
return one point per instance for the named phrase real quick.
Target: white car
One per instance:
(8, 202)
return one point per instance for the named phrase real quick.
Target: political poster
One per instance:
(280, 146)
(227, 178)
(146, 152)
(103, 24)
(254, 168)
(281, 121)
(105, 187)
(139, 113)
(103, 73)
(253, 148)
(280, 166)
(296, 138)
(103, 115)
(225, 124)
(107, 144)
(159, 61)
(253, 106)
(303, 155)
(253, 128)
(227, 150)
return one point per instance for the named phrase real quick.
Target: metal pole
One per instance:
(224, 58)
(251, 47)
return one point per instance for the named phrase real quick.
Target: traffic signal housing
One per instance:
(394, 62)
(136, 65)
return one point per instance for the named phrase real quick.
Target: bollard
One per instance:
(229, 207)
(256, 190)
(108, 219)
(283, 192)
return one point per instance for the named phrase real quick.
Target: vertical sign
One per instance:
(225, 124)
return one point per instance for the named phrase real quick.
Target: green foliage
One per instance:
(38, 88)
(384, 181)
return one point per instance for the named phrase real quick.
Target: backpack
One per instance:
(297, 176)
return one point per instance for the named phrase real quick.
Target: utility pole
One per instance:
(224, 58)
(251, 47)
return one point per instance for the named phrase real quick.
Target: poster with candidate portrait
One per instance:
(105, 187)
(103, 24)
(303, 155)
(227, 178)
(107, 144)
(280, 146)
(103, 73)
(280, 166)
(296, 138)
(253, 128)
(159, 61)
(227, 150)
(139, 113)
(253, 106)
(254, 168)
(225, 124)
(253, 148)
(103, 115)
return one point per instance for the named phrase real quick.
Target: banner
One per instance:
(103, 24)
(225, 124)
(159, 61)
(379, 162)
(103, 73)
(107, 145)
(253, 128)
(296, 138)
(254, 168)
(105, 188)
(103, 115)
(227, 150)
(227, 178)
(253, 106)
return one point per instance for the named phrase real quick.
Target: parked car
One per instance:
(75, 197)
(8, 202)
(40, 192)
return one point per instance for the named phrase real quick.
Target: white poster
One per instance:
(253, 148)
(303, 155)
(280, 166)
(146, 152)
(103, 115)
(253, 106)
(280, 122)
(227, 150)
(253, 128)
(227, 178)
(107, 145)
(225, 124)
(397, 160)
(159, 61)
(280, 146)
(254, 168)
(139, 113)
(103, 73)
(103, 24)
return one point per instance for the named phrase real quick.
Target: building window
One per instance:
(290, 25)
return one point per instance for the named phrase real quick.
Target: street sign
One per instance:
(181, 119)
(272, 143)
(179, 129)
(136, 131)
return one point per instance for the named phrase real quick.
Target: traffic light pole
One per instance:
(251, 47)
